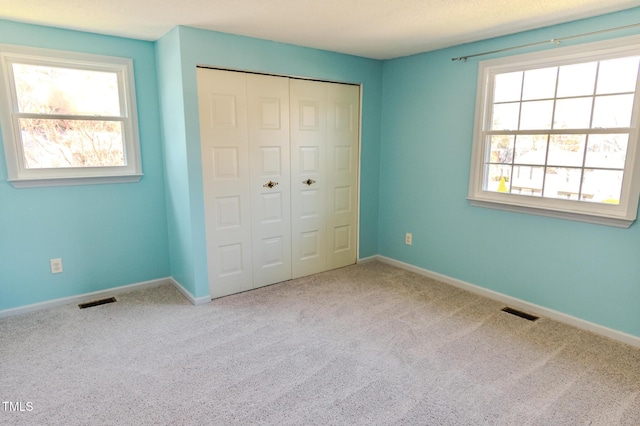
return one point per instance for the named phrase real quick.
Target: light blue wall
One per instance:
(587, 271)
(175, 159)
(106, 235)
(198, 47)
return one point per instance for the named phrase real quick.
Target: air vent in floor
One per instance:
(520, 314)
(97, 303)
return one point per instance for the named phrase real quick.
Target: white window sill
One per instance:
(72, 181)
(539, 211)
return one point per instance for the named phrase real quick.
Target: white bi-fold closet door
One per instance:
(280, 175)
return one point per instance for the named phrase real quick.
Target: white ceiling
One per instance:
(379, 29)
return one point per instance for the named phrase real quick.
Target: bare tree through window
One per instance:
(68, 117)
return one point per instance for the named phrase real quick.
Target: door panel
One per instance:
(268, 121)
(342, 178)
(308, 176)
(225, 169)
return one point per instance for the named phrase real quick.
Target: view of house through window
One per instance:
(562, 132)
(68, 117)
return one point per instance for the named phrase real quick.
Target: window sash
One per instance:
(622, 214)
(19, 174)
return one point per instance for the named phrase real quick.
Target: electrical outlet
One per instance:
(408, 239)
(56, 265)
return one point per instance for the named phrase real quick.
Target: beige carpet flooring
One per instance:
(367, 344)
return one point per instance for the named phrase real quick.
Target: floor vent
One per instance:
(97, 303)
(520, 314)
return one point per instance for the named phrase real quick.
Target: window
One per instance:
(556, 133)
(68, 118)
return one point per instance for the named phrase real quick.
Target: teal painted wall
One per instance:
(107, 235)
(198, 47)
(587, 271)
(175, 159)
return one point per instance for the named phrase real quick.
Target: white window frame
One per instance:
(621, 215)
(18, 174)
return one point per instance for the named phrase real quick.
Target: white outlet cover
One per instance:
(56, 265)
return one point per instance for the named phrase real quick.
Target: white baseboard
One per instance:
(369, 259)
(517, 303)
(82, 298)
(194, 301)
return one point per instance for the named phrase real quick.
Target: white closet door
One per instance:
(269, 162)
(343, 135)
(225, 169)
(308, 176)
(280, 167)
